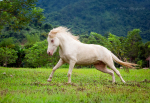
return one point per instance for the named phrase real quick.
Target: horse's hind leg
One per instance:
(102, 67)
(117, 72)
(111, 65)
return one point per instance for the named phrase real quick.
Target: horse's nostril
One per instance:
(50, 52)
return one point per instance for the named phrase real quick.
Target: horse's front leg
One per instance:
(71, 66)
(60, 62)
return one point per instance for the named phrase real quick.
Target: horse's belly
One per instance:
(87, 61)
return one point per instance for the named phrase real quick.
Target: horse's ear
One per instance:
(52, 34)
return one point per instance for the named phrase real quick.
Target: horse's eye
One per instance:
(52, 41)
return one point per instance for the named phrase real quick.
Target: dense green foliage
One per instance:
(36, 56)
(20, 28)
(88, 86)
(7, 56)
(33, 28)
(18, 13)
(100, 16)
(134, 41)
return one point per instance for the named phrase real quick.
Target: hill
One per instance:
(101, 16)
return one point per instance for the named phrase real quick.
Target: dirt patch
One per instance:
(52, 84)
(133, 84)
(44, 84)
(138, 84)
(72, 84)
(81, 89)
(145, 81)
(4, 92)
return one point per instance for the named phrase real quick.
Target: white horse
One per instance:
(72, 51)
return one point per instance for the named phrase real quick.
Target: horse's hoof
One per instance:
(68, 82)
(49, 80)
(113, 82)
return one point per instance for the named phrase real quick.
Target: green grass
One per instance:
(88, 86)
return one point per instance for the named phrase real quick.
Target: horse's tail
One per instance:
(130, 65)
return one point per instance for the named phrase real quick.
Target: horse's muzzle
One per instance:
(50, 52)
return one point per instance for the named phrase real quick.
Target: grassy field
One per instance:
(88, 86)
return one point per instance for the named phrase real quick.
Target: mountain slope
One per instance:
(101, 16)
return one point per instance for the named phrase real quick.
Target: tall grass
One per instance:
(88, 86)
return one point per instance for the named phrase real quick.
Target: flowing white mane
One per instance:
(63, 30)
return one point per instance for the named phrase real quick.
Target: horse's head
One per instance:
(53, 42)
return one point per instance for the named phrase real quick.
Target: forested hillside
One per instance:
(101, 16)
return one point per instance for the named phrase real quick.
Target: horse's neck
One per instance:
(66, 43)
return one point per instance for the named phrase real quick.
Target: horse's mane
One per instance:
(64, 30)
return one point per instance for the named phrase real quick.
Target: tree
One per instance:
(21, 54)
(17, 13)
(147, 49)
(91, 40)
(36, 56)
(7, 56)
(132, 43)
(116, 45)
(31, 39)
(8, 42)
(101, 40)
(47, 27)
